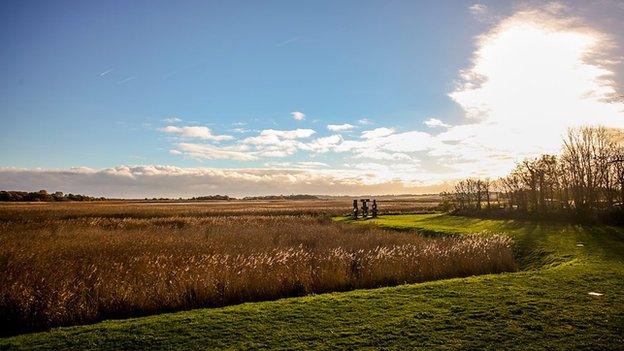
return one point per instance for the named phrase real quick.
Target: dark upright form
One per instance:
(364, 208)
(374, 209)
(355, 209)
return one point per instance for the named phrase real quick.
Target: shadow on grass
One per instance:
(539, 244)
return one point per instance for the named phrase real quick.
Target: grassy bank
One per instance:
(546, 306)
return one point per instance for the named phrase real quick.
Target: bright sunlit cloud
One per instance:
(532, 78)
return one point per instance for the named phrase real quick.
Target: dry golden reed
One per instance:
(69, 267)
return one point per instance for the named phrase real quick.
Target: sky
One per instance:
(176, 99)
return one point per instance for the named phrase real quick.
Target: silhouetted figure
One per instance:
(374, 209)
(355, 209)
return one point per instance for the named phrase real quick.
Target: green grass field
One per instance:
(546, 305)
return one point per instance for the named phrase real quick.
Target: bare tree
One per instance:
(586, 179)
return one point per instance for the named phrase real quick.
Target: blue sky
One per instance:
(215, 63)
(113, 84)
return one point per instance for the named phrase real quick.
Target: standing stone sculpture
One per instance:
(365, 208)
(374, 209)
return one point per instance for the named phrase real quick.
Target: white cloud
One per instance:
(297, 165)
(340, 127)
(105, 73)
(239, 130)
(381, 144)
(409, 142)
(195, 132)
(312, 164)
(377, 132)
(478, 9)
(211, 152)
(268, 143)
(434, 122)
(172, 120)
(322, 145)
(278, 143)
(126, 80)
(384, 155)
(482, 13)
(282, 150)
(290, 134)
(299, 116)
(288, 41)
(365, 121)
(274, 137)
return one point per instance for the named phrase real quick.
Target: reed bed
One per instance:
(73, 271)
(34, 212)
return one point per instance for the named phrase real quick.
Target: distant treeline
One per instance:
(44, 196)
(283, 197)
(212, 198)
(229, 198)
(584, 183)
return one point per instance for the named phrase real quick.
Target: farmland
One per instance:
(66, 264)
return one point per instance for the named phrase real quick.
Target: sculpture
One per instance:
(355, 213)
(365, 208)
(374, 209)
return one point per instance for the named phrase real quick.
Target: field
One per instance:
(32, 212)
(76, 264)
(545, 305)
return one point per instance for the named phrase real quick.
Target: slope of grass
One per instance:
(539, 244)
(545, 306)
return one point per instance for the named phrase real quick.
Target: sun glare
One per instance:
(531, 80)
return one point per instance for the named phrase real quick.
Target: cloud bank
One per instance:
(173, 182)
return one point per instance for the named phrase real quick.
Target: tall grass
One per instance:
(29, 212)
(72, 271)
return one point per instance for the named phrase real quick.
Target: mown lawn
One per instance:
(547, 305)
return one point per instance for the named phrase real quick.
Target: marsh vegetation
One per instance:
(68, 264)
